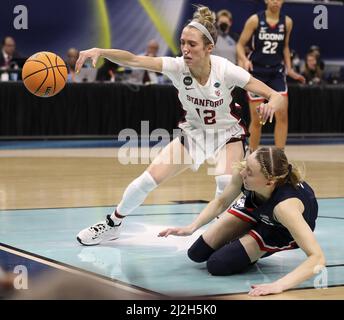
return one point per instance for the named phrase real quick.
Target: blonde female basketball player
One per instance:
(277, 212)
(204, 83)
(269, 62)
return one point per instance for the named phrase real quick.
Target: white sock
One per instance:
(221, 183)
(134, 195)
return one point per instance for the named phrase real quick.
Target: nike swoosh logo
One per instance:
(186, 88)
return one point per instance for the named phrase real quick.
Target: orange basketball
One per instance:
(44, 74)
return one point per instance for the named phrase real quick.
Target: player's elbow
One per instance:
(319, 261)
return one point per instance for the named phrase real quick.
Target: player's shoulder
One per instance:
(252, 22)
(177, 63)
(215, 60)
(178, 60)
(220, 64)
(253, 19)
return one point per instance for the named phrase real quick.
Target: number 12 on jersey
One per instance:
(209, 116)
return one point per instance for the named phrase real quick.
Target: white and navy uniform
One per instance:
(267, 57)
(209, 115)
(270, 234)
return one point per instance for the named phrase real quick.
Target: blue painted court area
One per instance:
(161, 265)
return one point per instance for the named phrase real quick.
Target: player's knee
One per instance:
(155, 175)
(216, 267)
(230, 259)
(200, 251)
(145, 182)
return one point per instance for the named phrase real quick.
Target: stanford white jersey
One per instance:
(208, 106)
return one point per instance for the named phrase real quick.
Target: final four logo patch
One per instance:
(281, 28)
(187, 81)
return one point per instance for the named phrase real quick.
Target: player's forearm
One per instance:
(122, 57)
(212, 210)
(287, 60)
(304, 271)
(276, 100)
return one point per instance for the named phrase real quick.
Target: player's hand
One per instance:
(265, 289)
(296, 76)
(179, 231)
(92, 54)
(247, 65)
(265, 111)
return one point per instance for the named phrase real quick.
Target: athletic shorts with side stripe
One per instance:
(270, 238)
(275, 78)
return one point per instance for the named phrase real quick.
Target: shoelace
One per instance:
(99, 227)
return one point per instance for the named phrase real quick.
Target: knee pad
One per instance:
(221, 183)
(136, 193)
(231, 258)
(200, 251)
(145, 182)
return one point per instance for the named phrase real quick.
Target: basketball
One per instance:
(44, 74)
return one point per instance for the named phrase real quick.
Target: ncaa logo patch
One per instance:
(187, 81)
(217, 84)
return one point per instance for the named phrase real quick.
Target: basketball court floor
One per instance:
(48, 194)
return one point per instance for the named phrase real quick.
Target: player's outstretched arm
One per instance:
(289, 213)
(275, 100)
(122, 57)
(212, 210)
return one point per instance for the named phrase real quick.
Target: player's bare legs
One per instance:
(172, 160)
(281, 125)
(233, 152)
(225, 229)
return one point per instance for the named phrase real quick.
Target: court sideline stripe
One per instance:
(152, 214)
(172, 203)
(109, 206)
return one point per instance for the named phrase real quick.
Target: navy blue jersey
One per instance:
(268, 42)
(263, 212)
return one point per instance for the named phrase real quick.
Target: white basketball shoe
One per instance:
(100, 232)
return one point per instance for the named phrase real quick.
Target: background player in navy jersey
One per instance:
(269, 62)
(209, 130)
(276, 212)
